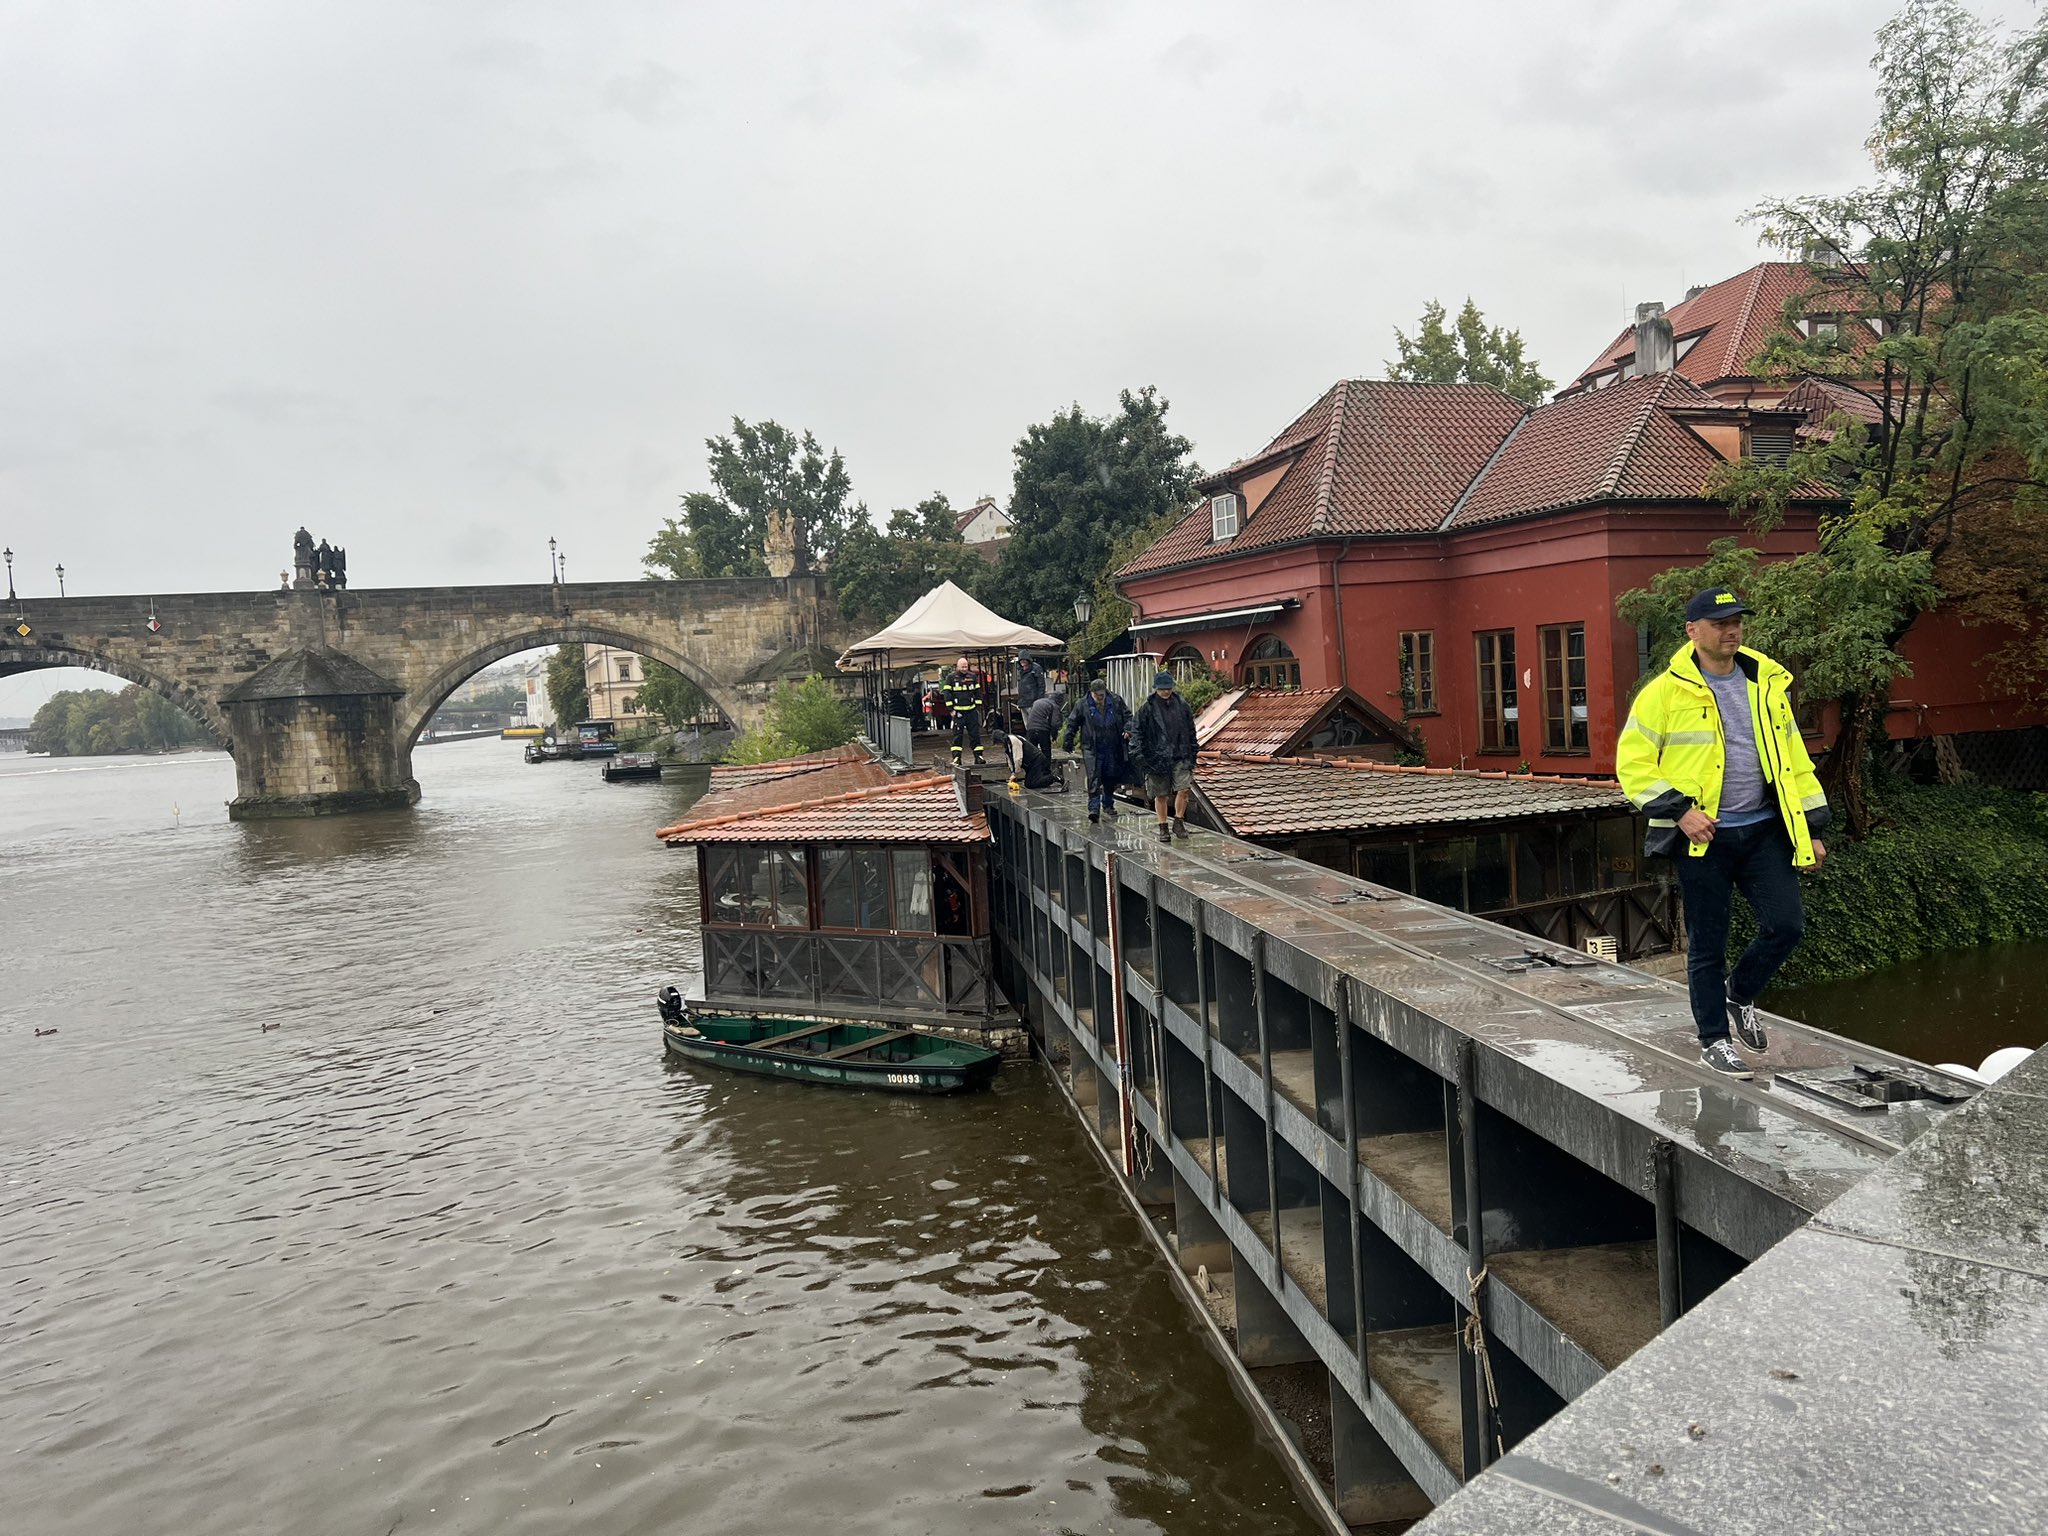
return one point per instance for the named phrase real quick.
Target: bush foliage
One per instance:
(1946, 867)
(809, 716)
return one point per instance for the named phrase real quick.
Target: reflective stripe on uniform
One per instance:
(1660, 787)
(1656, 738)
(1813, 802)
(1662, 821)
(1689, 738)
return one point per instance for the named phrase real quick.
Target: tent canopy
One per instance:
(939, 626)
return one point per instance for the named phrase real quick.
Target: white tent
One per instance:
(940, 626)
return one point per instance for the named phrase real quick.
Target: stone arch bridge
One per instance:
(320, 695)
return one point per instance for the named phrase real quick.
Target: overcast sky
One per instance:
(443, 280)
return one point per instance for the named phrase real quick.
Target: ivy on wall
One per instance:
(1947, 867)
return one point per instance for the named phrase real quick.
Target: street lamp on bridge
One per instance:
(553, 574)
(9, 554)
(60, 578)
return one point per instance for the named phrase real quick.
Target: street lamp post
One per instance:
(60, 579)
(1084, 609)
(553, 574)
(9, 554)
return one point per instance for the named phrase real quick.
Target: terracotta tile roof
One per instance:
(1615, 444)
(1278, 797)
(747, 793)
(922, 808)
(1265, 722)
(726, 776)
(1819, 399)
(1369, 457)
(1732, 319)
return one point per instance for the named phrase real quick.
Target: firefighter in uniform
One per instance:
(962, 689)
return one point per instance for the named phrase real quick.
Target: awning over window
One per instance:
(1215, 617)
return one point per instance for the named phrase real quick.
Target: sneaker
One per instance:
(1721, 1057)
(1095, 816)
(1749, 1026)
(1165, 833)
(1180, 828)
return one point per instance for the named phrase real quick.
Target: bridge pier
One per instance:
(315, 733)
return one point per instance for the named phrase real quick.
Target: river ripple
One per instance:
(450, 1249)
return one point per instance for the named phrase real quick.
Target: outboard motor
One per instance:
(670, 1002)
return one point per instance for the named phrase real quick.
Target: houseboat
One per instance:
(846, 927)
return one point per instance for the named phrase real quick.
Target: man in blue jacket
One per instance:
(1100, 720)
(1712, 754)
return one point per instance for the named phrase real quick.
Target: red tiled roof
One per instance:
(1264, 722)
(923, 808)
(735, 775)
(1733, 320)
(1370, 456)
(1819, 399)
(1615, 444)
(813, 782)
(1275, 797)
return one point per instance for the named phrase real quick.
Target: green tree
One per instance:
(810, 716)
(880, 572)
(1927, 299)
(758, 468)
(568, 694)
(669, 696)
(1469, 351)
(1082, 483)
(91, 722)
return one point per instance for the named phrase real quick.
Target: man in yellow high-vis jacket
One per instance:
(1711, 754)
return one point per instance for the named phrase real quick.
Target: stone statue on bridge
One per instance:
(302, 558)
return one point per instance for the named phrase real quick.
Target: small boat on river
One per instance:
(844, 907)
(632, 765)
(834, 1051)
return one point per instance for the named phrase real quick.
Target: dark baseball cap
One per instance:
(1714, 603)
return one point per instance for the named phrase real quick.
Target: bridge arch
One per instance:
(420, 704)
(42, 657)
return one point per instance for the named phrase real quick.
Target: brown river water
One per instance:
(450, 1248)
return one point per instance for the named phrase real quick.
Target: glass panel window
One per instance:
(1440, 871)
(1535, 864)
(721, 880)
(744, 898)
(1269, 663)
(1620, 852)
(1487, 884)
(871, 888)
(1386, 864)
(913, 891)
(1565, 727)
(1499, 724)
(1579, 854)
(836, 905)
(789, 895)
(1418, 671)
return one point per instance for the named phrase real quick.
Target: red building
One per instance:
(1455, 556)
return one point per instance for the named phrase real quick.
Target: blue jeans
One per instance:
(1757, 860)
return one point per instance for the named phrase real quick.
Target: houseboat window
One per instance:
(854, 888)
(1418, 671)
(739, 887)
(951, 902)
(1487, 885)
(913, 891)
(1563, 648)
(1499, 725)
(1386, 864)
(789, 893)
(1270, 664)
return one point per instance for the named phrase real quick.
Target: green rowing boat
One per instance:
(846, 1055)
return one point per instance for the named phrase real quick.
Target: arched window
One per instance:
(1268, 663)
(1185, 663)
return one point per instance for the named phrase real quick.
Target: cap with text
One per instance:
(1714, 603)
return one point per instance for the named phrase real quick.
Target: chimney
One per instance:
(1694, 292)
(1656, 352)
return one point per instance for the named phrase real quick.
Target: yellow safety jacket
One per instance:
(1672, 754)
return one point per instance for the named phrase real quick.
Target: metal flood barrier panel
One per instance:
(1434, 1177)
